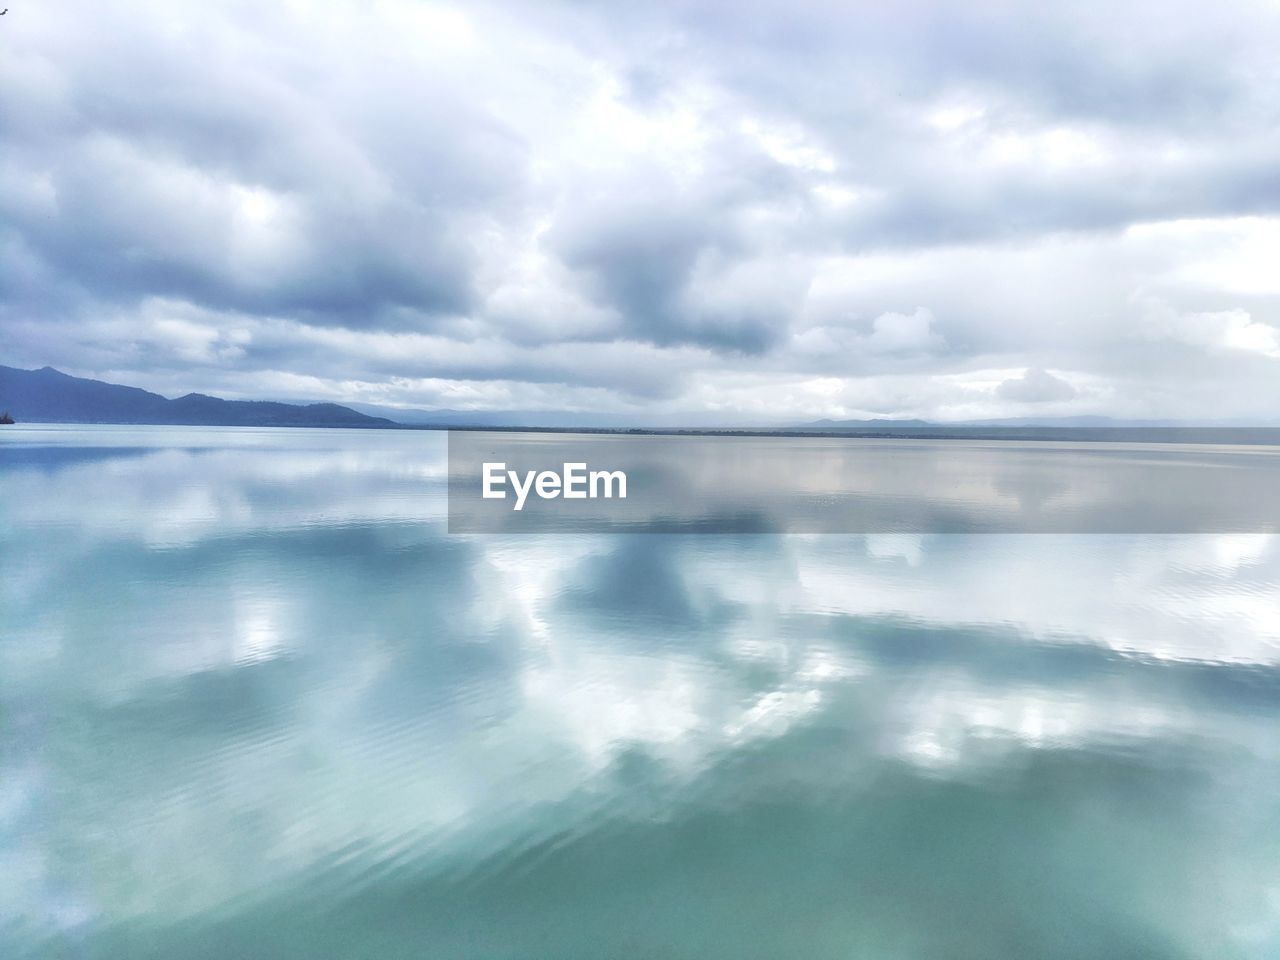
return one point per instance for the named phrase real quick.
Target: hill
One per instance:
(50, 396)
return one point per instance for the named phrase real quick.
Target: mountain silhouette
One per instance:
(51, 396)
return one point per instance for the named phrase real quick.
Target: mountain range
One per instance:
(51, 396)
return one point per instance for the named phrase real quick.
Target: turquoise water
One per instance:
(255, 702)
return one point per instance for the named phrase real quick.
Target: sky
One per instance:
(750, 211)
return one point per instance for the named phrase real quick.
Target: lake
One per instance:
(256, 701)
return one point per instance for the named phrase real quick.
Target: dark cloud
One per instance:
(645, 265)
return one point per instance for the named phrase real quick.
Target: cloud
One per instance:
(1219, 330)
(1036, 385)
(899, 333)
(670, 207)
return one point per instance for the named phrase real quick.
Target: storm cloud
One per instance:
(759, 212)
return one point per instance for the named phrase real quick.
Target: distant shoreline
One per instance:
(1254, 436)
(1250, 436)
(50, 396)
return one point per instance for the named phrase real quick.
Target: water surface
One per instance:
(256, 702)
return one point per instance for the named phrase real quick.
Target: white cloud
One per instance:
(1036, 385)
(1218, 330)
(905, 332)
(646, 208)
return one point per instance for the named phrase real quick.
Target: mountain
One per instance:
(50, 396)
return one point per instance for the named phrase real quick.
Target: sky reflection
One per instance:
(255, 699)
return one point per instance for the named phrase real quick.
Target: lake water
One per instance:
(256, 702)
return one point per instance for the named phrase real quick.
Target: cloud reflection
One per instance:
(249, 690)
